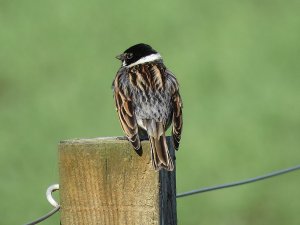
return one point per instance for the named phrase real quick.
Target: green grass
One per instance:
(238, 66)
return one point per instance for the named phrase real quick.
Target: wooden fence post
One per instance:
(103, 181)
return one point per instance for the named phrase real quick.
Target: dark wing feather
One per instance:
(177, 109)
(177, 119)
(125, 110)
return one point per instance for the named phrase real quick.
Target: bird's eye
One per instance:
(129, 55)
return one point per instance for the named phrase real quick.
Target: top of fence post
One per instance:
(104, 181)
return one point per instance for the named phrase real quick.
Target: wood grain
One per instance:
(103, 181)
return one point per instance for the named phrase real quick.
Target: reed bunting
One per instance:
(148, 102)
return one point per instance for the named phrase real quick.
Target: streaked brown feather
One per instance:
(177, 120)
(160, 154)
(177, 112)
(157, 75)
(126, 114)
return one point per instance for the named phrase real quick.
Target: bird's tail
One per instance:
(160, 154)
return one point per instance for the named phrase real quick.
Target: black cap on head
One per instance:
(136, 52)
(141, 49)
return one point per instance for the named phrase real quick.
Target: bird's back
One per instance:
(150, 94)
(147, 101)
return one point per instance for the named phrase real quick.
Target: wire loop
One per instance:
(51, 200)
(50, 190)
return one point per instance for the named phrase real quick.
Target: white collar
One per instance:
(148, 58)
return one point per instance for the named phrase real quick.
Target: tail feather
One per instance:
(160, 153)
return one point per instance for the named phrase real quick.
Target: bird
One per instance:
(148, 101)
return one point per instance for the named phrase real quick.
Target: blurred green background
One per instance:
(238, 66)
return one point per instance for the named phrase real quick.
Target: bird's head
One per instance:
(138, 54)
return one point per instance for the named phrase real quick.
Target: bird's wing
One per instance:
(177, 119)
(125, 109)
(177, 110)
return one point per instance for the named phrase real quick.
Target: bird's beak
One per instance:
(120, 57)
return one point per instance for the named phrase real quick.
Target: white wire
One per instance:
(52, 188)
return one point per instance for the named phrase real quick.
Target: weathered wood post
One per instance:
(103, 181)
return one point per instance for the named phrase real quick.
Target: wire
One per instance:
(53, 211)
(237, 183)
(51, 200)
(50, 190)
(55, 187)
